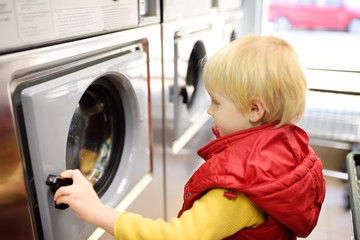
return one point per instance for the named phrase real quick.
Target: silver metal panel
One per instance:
(48, 109)
(173, 10)
(34, 23)
(229, 5)
(149, 11)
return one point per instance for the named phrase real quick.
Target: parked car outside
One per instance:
(341, 15)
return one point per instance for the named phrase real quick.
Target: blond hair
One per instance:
(262, 68)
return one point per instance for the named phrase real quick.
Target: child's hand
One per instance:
(80, 196)
(85, 203)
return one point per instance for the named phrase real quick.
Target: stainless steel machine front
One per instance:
(75, 92)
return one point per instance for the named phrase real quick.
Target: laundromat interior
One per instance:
(114, 88)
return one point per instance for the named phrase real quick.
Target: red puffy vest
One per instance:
(274, 168)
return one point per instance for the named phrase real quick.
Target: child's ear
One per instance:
(256, 111)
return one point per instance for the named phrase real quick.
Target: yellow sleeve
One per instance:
(212, 217)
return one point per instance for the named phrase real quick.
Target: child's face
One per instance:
(226, 115)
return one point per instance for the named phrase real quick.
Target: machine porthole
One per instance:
(195, 71)
(233, 36)
(96, 134)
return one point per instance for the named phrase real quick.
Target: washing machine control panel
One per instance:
(55, 182)
(44, 21)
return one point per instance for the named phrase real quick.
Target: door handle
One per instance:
(55, 182)
(182, 92)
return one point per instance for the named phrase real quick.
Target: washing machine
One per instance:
(80, 100)
(187, 43)
(231, 14)
(173, 9)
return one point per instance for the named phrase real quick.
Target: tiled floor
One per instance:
(335, 220)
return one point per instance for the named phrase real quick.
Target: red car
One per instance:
(313, 14)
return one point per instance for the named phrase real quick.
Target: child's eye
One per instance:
(214, 102)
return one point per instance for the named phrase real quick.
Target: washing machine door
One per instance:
(188, 93)
(93, 117)
(96, 134)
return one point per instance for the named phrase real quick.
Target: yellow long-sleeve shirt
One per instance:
(213, 216)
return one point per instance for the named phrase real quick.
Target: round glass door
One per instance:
(96, 134)
(194, 72)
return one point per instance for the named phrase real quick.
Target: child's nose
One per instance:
(209, 111)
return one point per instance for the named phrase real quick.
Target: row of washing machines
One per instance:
(113, 88)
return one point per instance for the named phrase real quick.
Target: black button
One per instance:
(188, 194)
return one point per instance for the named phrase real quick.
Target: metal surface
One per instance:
(332, 116)
(174, 10)
(149, 11)
(15, 215)
(251, 23)
(53, 103)
(30, 24)
(352, 164)
(48, 21)
(40, 66)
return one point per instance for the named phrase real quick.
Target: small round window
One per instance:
(96, 134)
(195, 71)
(233, 36)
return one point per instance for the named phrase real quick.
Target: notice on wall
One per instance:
(27, 22)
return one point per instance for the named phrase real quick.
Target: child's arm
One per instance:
(85, 203)
(213, 216)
